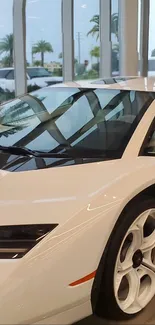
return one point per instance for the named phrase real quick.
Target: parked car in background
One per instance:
(36, 76)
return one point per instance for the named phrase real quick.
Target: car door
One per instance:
(10, 80)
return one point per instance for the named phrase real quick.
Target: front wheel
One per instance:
(128, 281)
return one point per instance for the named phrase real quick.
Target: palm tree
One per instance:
(15, 114)
(13, 119)
(115, 25)
(5, 62)
(42, 47)
(96, 28)
(37, 63)
(6, 46)
(95, 52)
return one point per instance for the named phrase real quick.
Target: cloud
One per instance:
(84, 6)
(33, 17)
(32, 1)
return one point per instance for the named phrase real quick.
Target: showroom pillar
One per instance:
(144, 37)
(105, 38)
(19, 30)
(128, 37)
(68, 39)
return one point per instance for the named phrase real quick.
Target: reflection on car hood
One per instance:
(68, 188)
(54, 189)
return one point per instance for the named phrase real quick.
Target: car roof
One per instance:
(35, 68)
(134, 83)
(119, 83)
(3, 69)
(12, 68)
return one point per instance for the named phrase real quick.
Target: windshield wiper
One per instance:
(21, 151)
(73, 153)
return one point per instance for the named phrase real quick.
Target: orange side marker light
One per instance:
(83, 280)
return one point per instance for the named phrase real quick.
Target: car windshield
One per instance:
(38, 72)
(56, 118)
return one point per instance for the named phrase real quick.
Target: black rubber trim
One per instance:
(146, 140)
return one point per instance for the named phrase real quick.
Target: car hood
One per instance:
(46, 81)
(6, 85)
(58, 194)
(49, 78)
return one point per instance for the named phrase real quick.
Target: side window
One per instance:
(127, 107)
(149, 145)
(10, 75)
(3, 73)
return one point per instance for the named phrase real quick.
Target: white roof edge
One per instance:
(134, 83)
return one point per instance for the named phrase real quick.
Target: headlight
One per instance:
(16, 241)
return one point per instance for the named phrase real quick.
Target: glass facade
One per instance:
(44, 42)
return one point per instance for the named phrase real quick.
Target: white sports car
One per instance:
(36, 76)
(77, 202)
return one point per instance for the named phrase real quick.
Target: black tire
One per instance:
(103, 298)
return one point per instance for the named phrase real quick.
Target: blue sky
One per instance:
(44, 22)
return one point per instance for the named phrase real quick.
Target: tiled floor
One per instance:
(146, 317)
(96, 321)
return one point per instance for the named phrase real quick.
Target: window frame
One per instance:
(149, 134)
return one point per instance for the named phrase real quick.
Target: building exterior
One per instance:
(111, 44)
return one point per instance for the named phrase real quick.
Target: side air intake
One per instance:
(17, 241)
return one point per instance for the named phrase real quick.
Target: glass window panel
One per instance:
(53, 98)
(17, 120)
(84, 136)
(39, 143)
(115, 112)
(30, 165)
(7, 87)
(84, 123)
(86, 39)
(150, 145)
(114, 37)
(132, 96)
(3, 73)
(43, 43)
(151, 53)
(75, 118)
(10, 75)
(106, 96)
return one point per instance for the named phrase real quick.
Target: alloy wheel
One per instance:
(134, 276)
